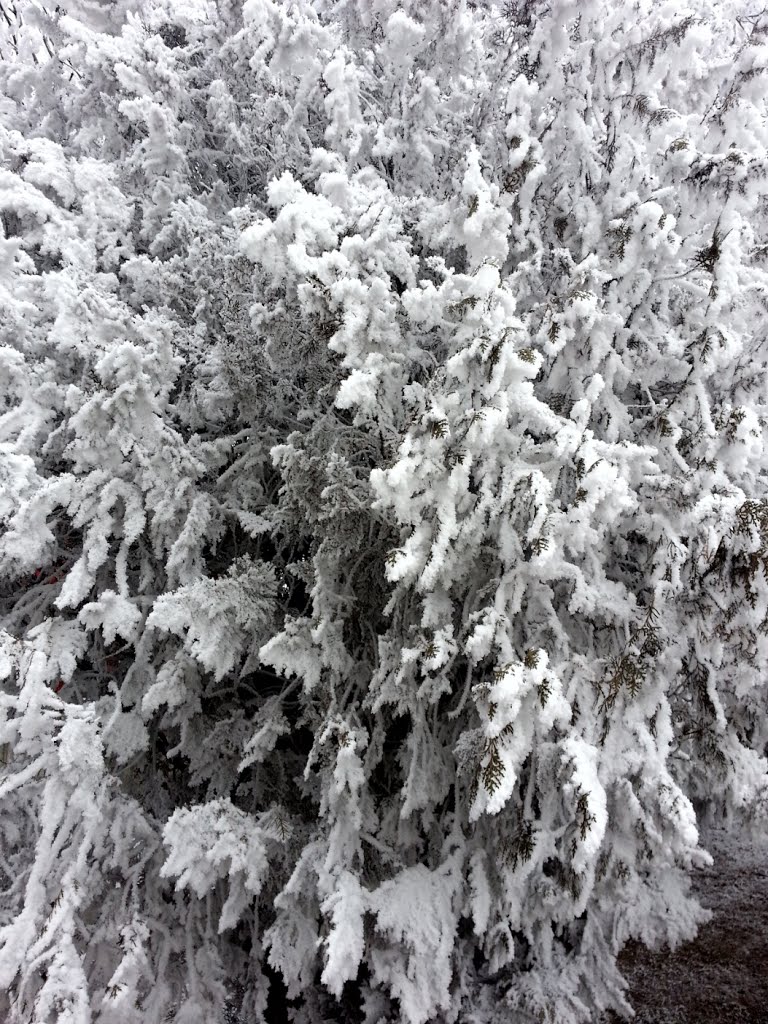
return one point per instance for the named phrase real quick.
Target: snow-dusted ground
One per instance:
(721, 977)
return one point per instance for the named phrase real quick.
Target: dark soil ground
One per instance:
(722, 976)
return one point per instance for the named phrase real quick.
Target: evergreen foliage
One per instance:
(383, 507)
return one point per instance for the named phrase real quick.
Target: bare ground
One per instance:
(722, 976)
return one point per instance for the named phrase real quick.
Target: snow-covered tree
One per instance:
(383, 507)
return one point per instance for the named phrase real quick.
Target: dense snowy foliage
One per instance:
(383, 509)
